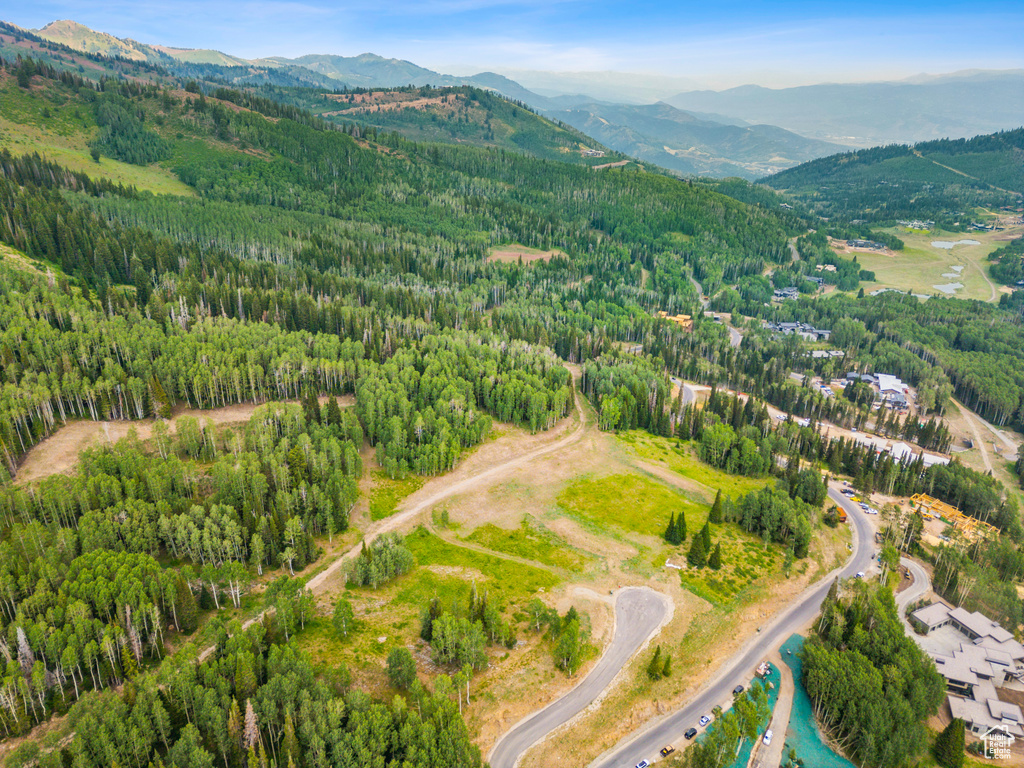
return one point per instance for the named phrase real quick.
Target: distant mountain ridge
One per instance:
(959, 105)
(671, 138)
(748, 131)
(941, 181)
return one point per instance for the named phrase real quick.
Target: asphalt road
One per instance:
(922, 585)
(638, 613)
(739, 670)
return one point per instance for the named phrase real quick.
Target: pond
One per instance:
(803, 734)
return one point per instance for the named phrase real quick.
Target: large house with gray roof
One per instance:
(989, 657)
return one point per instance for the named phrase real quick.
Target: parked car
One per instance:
(642, 764)
(737, 690)
(668, 750)
(690, 733)
(768, 737)
(704, 720)
(860, 574)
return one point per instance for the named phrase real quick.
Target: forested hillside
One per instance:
(941, 181)
(460, 115)
(295, 258)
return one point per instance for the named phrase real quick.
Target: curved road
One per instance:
(921, 586)
(739, 670)
(639, 613)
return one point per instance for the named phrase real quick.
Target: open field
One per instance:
(704, 480)
(515, 252)
(921, 266)
(629, 503)
(531, 541)
(567, 526)
(388, 492)
(63, 138)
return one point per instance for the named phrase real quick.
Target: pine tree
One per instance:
(697, 556)
(705, 533)
(185, 609)
(655, 667)
(666, 670)
(681, 528)
(333, 412)
(715, 515)
(670, 531)
(949, 745)
(235, 731)
(715, 561)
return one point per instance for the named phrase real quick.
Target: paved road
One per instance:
(921, 586)
(739, 670)
(639, 612)
(735, 337)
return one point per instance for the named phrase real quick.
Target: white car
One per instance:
(860, 574)
(768, 736)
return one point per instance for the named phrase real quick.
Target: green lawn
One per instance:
(531, 542)
(631, 503)
(387, 493)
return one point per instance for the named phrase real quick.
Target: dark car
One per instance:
(666, 751)
(737, 690)
(690, 733)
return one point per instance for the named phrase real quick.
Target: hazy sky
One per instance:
(717, 43)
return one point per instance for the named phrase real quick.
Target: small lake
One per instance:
(948, 245)
(803, 734)
(949, 288)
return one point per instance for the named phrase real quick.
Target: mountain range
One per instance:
(923, 108)
(748, 131)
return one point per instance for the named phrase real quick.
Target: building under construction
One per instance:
(970, 527)
(683, 321)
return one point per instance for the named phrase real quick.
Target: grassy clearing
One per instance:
(507, 582)
(682, 460)
(31, 122)
(530, 541)
(746, 566)
(920, 266)
(387, 493)
(515, 252)
(631, 503)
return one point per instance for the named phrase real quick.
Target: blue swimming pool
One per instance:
(803, 734)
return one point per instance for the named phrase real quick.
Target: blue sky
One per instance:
(715, 43)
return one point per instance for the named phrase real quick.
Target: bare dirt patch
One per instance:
(58, 454)
(508, 254)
